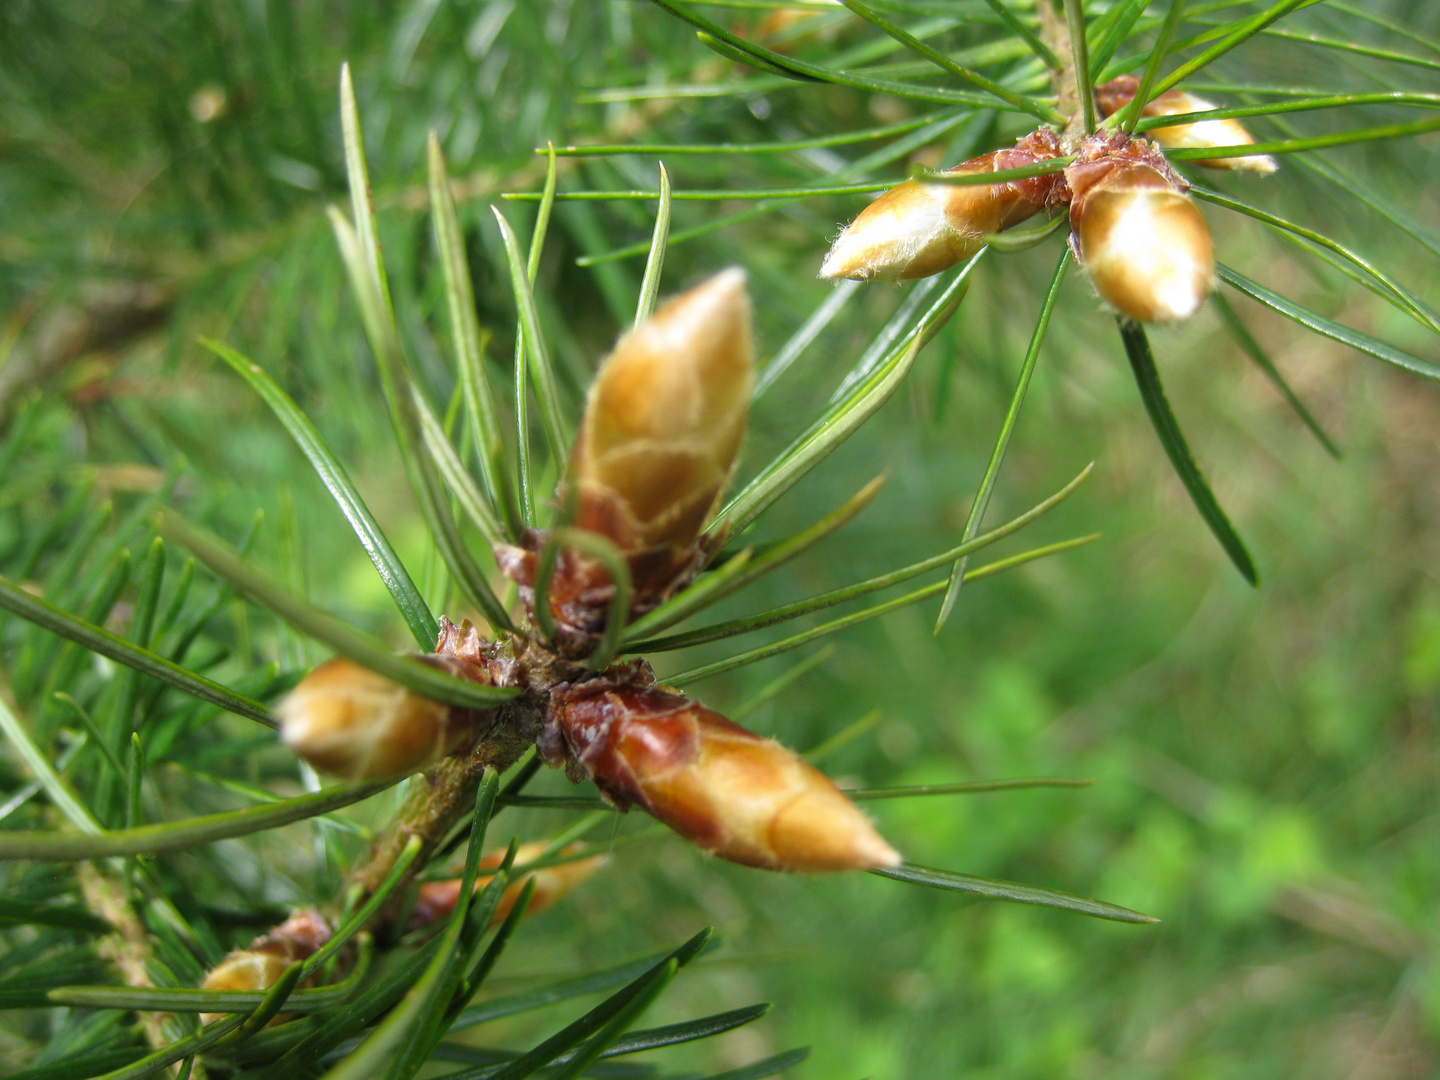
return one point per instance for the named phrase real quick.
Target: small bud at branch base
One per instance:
(436, 899)
(260, 966)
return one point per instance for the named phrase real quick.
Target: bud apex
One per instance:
(1118, 93)
(437, 899)
(919, 228)
(664, 419)
(1140, 237)
(728, 791)
(260, 966)
(347, 721)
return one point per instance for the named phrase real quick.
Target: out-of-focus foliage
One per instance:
(1266, 762)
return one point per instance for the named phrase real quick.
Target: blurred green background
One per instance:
(1266, 761)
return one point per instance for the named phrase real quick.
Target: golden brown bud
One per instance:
(662, 425)
(436, 899)
(919, 228)
(1117, 93)
(259, 967)
(728, 791)
(664, 419)
(347, 721)
(1140, 237)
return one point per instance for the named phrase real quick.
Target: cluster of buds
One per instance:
(435, 900)
(662, 426)
(1133, 227)
(260, 966)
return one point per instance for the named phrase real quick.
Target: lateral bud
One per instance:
(259, 967)
(921, 227)
(435, 900)
(1140, 237)
(349, 722)
(1117, 93)
(663, 423)
(726, 790)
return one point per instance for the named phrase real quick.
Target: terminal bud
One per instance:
(1142, 240)
(922, 227)
(1117, 93)
(726, 790)
(663, 423)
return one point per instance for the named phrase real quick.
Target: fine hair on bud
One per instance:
(1117, 93)
(260, 966)
(730, 792)
(349, 722)
(922, 227)
(435, 900)
(1142, 240)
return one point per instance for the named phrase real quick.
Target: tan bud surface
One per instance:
(1118, 93)
(347, 721)
(243, 971)
(664, 419)
(921, 228)
(1145, 245)
(437, 899)
(260, 966)
(728, 791)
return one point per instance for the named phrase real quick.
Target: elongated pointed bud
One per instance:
(261, 965)
(1117, 93)
(347, 721)
(437, 899)
(662, 425)
(1140, 237)
(728, 791)
(921, 228)
(664, 419)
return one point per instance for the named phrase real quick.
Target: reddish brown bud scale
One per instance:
(259, 967)
(1117, 93)
(347, 721)
(728, 791)
(921, 228)
(435, 900)
(1140, 237)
